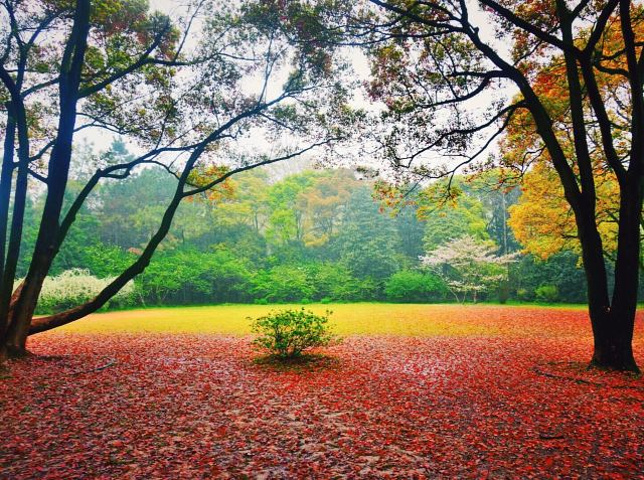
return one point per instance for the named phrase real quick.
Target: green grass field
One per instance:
(347, 319)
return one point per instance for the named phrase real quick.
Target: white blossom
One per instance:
(468, 266)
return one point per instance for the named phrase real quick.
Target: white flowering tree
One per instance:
(468, 266)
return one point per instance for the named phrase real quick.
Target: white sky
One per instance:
(176, 8)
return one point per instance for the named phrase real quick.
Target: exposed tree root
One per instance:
(582, 381)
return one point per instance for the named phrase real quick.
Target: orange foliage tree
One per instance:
(564, 80)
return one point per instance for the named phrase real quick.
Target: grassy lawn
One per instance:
(347, 319)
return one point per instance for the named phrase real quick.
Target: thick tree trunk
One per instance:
(6, 180)
(24, 307)
(613, 348)
(58, 171)
(15, 237)
(612, 321)
(613, 340)
(46, 245)
(15, 240)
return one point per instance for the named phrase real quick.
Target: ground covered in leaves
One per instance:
(510, 399)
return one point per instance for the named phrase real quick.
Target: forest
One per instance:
(311, 236)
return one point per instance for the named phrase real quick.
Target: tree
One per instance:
(286, 221)
(442, 69)
(323, 203)
(468, 266)
(368, 241)
(197, 119)
(461, 215)
(33, 64)
(544, 223)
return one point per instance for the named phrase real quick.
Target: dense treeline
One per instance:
(312, 236)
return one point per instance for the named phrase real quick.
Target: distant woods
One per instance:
(312, 236)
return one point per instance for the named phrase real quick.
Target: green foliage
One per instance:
(74, 287)
(561, 270)
(317, 236)
(190, 276)
(464, 217)
(525, 295)
(547, 293)
(287, 333)
(414, 286)
(368, 242)
(335, 282)
(283, 283)
(286, 220)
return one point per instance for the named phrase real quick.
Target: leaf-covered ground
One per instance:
(503, 394)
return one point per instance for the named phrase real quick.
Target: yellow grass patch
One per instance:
(347, 319)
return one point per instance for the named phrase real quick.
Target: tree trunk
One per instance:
(58, 170)
(613, 348)
(15, 237)
(6, 180)
(614, 335)
(610, 350)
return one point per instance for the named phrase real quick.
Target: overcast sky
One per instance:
(176, 8)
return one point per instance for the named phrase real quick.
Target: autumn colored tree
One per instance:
(41, 123)
(544, 223)
(447, 72)
(114, 66)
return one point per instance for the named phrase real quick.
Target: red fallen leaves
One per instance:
(196, 406)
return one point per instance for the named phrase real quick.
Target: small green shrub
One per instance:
(525, 295)
(547, 293)
(287, 333)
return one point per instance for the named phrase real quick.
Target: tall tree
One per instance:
(44, 81)
(444, 69)
(241, 81)
(368, 242)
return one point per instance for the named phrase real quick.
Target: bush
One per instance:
(193, 277)
(547, 293)
(525, 294)
(283, 283)
(74, 287)
(287, 333)
(413, 286)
